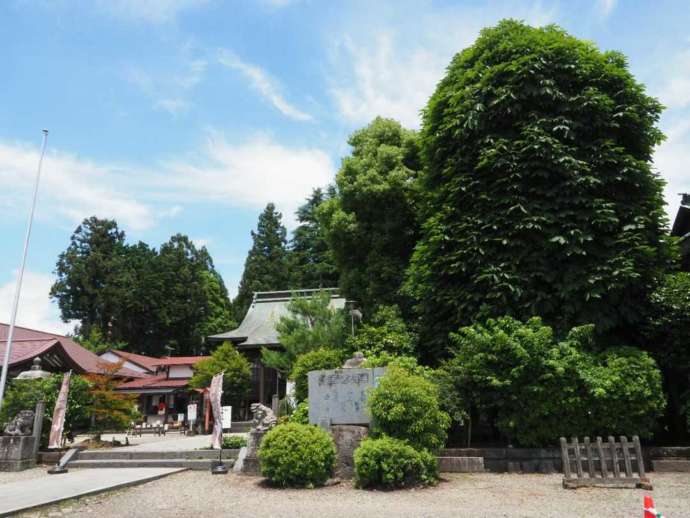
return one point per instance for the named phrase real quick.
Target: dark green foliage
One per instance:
(389, 463)
(386, 332)
(667, 339)
(233, 442)
(301, 413)
(540, 197)
(24, 394)
(311, 263)
(137, 298)
(317, 359)
(194, 301)
(297, 455)
(537, 389)
(87, 288)
(405, 406)
(237, 373)
(312, 324)
(266, 266)
(371, 223)
(95, 342)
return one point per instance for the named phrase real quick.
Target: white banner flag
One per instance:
(58, 424)
(214, 396)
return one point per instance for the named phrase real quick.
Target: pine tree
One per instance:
(266, 265)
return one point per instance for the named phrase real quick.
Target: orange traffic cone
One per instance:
(649, 510)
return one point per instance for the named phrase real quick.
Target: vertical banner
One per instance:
(55, 440)
(215, 393)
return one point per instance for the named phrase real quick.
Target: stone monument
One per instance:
(263, 419)
(338, 403)
(20, 440)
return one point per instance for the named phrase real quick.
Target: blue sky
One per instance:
(190, 115)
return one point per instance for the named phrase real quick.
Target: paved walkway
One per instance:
(26, 494)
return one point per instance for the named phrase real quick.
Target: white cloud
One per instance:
(169, 88)
(251, 174)
(150, 11)
(381, 70)
(264, 84)
(71, 187)
(36, 310)
(606, 7)
(675, 89)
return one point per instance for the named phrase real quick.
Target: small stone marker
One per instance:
(340, 395)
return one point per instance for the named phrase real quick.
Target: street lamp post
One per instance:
(18, 288)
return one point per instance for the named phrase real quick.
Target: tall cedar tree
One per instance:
(87, 288)
(371, 224)
(541, 196)
(136, 298)
(311, 262)
(266, 266)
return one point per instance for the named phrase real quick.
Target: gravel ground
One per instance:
(491, 495)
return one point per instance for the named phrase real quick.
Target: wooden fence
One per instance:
(603, 463)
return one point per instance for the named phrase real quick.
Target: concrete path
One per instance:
(26, 494)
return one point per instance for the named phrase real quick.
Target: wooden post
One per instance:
(626, 456)
(614, 457)
(578, 458)
(565, 458)
(590, 460)
(261, 384)
(602, 458)
(638, 456)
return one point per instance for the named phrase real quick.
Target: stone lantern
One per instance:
(35, 372)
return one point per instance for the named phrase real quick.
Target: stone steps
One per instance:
(193, 464)
(155, 455)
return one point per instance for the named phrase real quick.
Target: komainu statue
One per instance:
(263, 417)
(22, 424)
(355, 362)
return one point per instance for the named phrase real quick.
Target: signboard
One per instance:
(339, 396)
(180, 418)
(227, 416)
(191, 412)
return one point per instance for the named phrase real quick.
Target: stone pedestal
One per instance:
(17, 453)
(347, 439)
(247, 462)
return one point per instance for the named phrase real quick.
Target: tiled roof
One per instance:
(29, 343)
(153, 382)
(258, 328)
(147, 362)
(179, 360)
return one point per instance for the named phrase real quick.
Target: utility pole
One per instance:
(20, 277)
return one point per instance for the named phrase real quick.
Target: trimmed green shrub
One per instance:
(234, 442)
(297, 455)
(536, 388)
(406, 406)
(301, 413)
(390, 463)
(318, 359)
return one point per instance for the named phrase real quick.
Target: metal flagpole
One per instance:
(18, 289)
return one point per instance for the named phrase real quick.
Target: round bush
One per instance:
(406, 406)
(390, 463)
(297, 455)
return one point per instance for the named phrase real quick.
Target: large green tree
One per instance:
(370, 223)
(137, 298)
(541, 199)
(667, 340)
(87, 287)
(236, 378)
(266, 266)
(311, 262)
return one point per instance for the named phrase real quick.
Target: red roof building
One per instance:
(57, 353)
